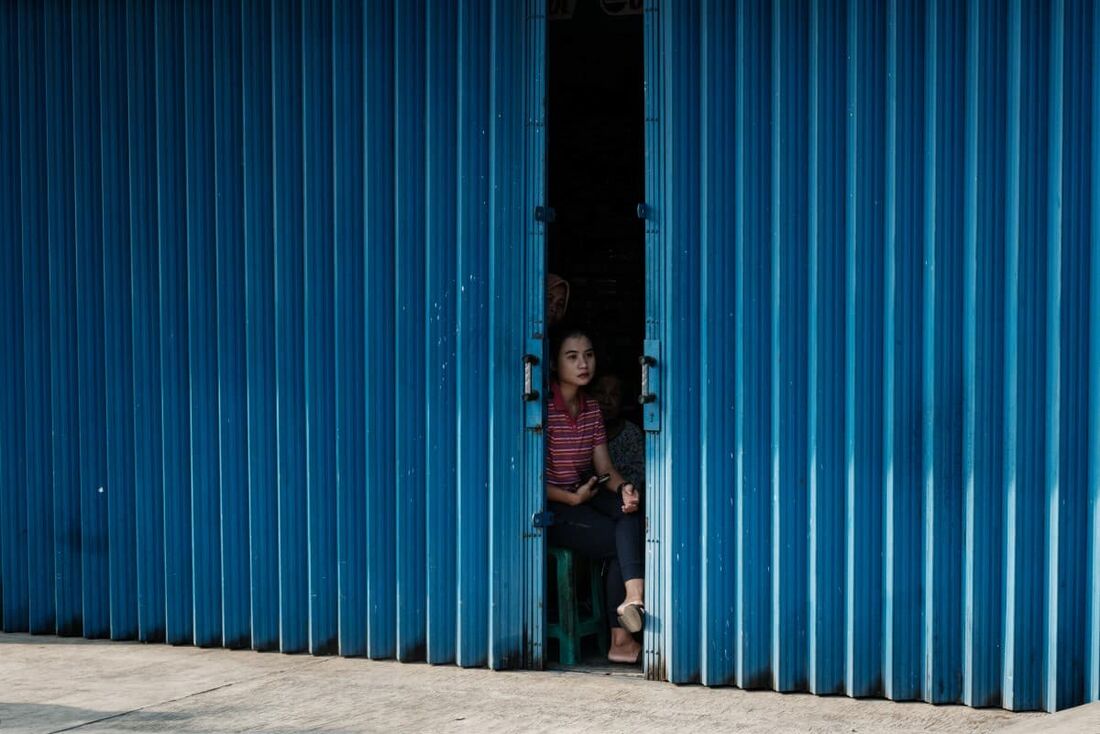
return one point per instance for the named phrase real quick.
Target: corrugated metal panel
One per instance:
(680, 264)
(320, 375)
(440, 302)
(91, 385)
(260, 287)
(408, 327)
(473, 337)
(13, 519)
(231, 334)
(533, 303)
(515, 590)
(825, 350)
(36, 319)
(890, 211)
(718, 658)
(658, 598)
(903, 420)
(983, 452)
(1092, 637)
(350, 310)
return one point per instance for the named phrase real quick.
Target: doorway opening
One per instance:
(595, 164)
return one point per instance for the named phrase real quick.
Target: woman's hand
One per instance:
(585, 492)
(631, 500)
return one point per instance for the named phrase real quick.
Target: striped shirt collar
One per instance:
(561, 407)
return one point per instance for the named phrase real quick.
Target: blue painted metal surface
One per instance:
(1092, 617)
(351, 356)
(13, 500)
(752, 260)
(320, 368)
(59, 293)
(91, 402)
(789, 378)
(983, 456)
(1025, 366)
(216, 260)
(717, 48)
(903, 420)
(656, 478)
(896, 214)
(472, 338)
(533, 302)
(825, 347)
(172, 276)
(680, 153)
(380, 369)
(145, 284)
(1092, 637)
(259, 310)
(269, 272)
(117, 320)
(202, 317)
(507, 220)
(409, 380)
(232, 399)
(440, 304)
(289, 246)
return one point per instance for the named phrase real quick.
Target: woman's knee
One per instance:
(630, 523)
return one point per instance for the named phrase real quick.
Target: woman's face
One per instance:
(555, 304)
(576, 361)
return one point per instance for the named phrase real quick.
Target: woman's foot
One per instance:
(631, 615)
(624, 648)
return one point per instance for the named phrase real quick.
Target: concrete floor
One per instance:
(49, 684)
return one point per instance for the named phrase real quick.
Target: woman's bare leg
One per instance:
(624, 648)
(635, 593)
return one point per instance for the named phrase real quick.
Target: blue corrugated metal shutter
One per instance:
(440, 383)
(269, 274)
(516, 257)
(472, 340)
(533, 300)
(889, 210)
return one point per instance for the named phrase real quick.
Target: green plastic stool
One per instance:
(571, 627)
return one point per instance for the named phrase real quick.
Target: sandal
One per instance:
(632, 616)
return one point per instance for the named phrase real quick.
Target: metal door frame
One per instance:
(534, 352)
(656, 451)
(535, 275)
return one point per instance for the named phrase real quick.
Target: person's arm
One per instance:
(585, 492)
(602, 459)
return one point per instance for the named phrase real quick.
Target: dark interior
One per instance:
(596, 179)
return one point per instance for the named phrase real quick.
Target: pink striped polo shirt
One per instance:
(569, 440)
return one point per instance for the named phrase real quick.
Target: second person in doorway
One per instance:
(557, 299)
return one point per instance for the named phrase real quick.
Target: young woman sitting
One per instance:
(598, 519)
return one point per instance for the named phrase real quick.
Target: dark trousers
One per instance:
(599, 530)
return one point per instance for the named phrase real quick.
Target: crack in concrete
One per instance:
(195, 694)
